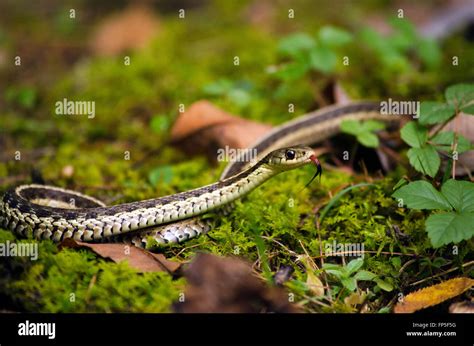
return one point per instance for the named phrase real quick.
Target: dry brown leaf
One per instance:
(218, 284)
(341, 97)
(139, 259)
(131, 29)
(463, 125)
(465, 307)
(434, 295)
(204, 127)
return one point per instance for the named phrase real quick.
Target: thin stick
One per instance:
(441, 274)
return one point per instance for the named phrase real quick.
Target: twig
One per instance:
(282, 245)
(368, 251)
(441, 274)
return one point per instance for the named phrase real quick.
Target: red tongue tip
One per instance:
(314, 159)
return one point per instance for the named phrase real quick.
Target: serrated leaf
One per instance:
(368, 139)
(333, 37)
(364, 275)
(422, 195)
(323, 59)
(431, 112)
(450, 227)
(414, 134)
(469, 109)
(444, 141)
(363, 131)
(425, 160)
(460, 194)
(434, 295)
(460, 95)
(295, 43)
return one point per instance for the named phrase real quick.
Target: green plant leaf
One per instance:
(352, 127)
(414, 134)
(422, 195)
(431, 112)
(384, 285)
(368, 139)
(292, 71)
(337, 273)
(404, 27)
(444, 140)
(400, 183)
(334, 37)
(373, 125)
(323, 59)
(429, 52)
(292, 44)
(217, 88)
(159, 123)
(349, 283)
(363, 131)
(240, 97)
(448, 228)
(461, 96)
(425, 160)
(163, 173)
(460, 194)
(26, 97)
(364, 275)
(354, 265)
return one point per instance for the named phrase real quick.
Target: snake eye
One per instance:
(290, 154)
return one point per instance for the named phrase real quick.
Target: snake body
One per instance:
(23, 210)
(46, 212)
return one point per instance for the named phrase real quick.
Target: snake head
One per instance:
(292, 157)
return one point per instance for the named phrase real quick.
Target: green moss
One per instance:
(78, 281)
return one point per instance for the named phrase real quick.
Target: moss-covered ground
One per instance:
(135, 106)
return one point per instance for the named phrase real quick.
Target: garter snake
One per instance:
(46, 212)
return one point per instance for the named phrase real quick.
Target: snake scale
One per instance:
(46, 212)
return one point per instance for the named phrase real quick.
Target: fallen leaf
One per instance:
(463, 124)
(434, 295)
(142, 260)
(204, 127)
(341, 97)
(313, 282)
(218, 284)
(465, 307)
(130, 29)
(355, 298)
